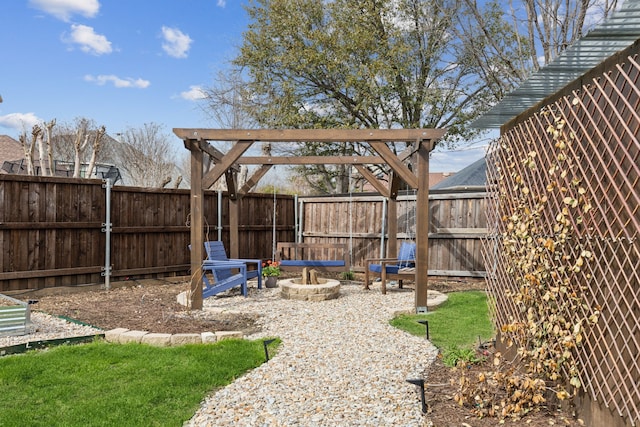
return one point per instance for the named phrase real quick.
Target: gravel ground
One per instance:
(340, 364)
(46, 327)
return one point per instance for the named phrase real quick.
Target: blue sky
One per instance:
(124, 63)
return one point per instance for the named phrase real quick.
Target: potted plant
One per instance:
(271, 271)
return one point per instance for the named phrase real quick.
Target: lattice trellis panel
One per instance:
(603, 158)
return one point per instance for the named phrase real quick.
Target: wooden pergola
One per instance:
(419, 141)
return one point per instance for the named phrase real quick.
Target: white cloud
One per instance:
(176, 43)
(222, 3)
(118, 82)
(88, 40)
(19, 121)
(64, 9)
(193, 94)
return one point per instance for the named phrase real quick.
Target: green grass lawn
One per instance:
(455, 325)
(102, 384)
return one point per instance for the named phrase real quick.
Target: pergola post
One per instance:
(234, 235)
(422, 227)
(234, 213)
(197, 223)
(392, 227)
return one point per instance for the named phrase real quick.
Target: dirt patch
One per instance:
(151, 307)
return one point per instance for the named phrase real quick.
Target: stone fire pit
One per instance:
(294, 289)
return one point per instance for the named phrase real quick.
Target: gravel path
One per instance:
(340, 364)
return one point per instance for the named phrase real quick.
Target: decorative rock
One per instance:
(435, 298)
(223, 335)
(158, 340)
(131, 336)
(114, 334)
(181, 339)
(208, 337)
(183, 298)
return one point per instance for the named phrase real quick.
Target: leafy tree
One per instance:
(501, 56)
(395, 63)
(364, 64)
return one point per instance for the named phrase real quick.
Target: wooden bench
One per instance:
(320, 256)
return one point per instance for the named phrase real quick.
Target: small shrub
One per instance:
(455, 356)
(347, 275)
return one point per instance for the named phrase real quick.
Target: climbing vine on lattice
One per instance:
(545, 258)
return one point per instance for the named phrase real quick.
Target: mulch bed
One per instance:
(149, 305)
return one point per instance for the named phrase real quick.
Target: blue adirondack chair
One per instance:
(223, 277)
(216, 252)
(393, 267)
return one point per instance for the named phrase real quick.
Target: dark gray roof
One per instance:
(473, 176)
(617, 32)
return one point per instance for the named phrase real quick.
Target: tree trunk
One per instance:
(49, 128)
(96, 148)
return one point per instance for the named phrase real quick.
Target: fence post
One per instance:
(106, 228)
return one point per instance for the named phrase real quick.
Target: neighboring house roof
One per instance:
(437, 177)
(473, 176)
(10, 149)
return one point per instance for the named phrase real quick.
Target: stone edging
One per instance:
(123, 335)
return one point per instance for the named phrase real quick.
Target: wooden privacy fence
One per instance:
(599, 117)
(51, 230)
(456, 226)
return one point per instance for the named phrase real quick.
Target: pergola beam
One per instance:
(373, 180)
(225, 163)
(311, 160)
(309, 135)
(197, 222)
(422, 228)
(392, 160)
(254, 179)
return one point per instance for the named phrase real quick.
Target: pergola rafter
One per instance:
(422, 142)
